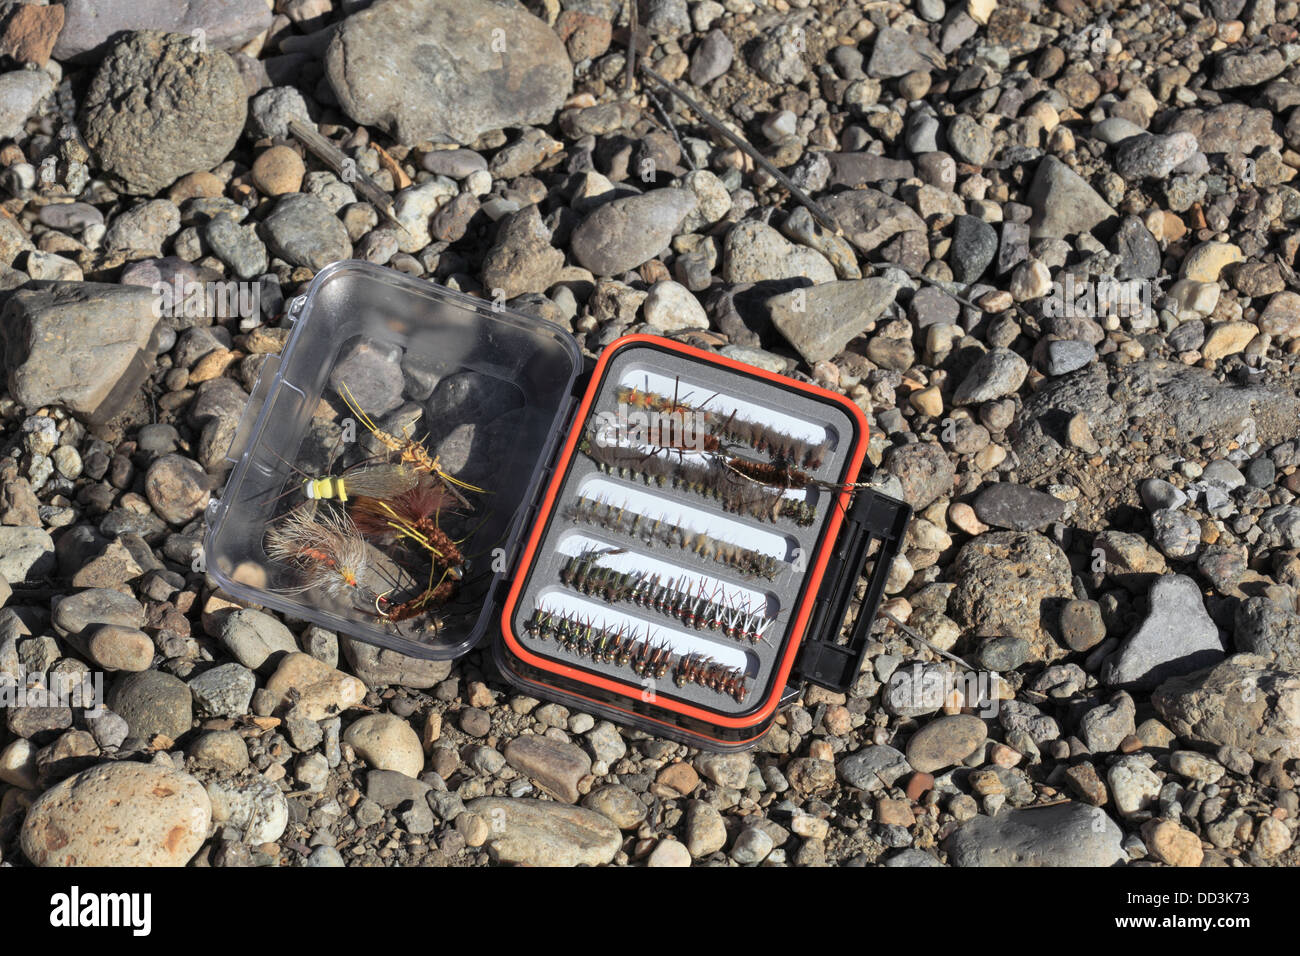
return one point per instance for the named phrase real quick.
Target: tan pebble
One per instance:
(808, 826)
(473, 828)
(997, 301)
(1281, 317)
(1004, 756)
(900, 574)
(1190, 299)
(821, 750)
(18, 764)
(1228, 338)
(265, 341)
(1155, 223)
(1205, 261)
(431, 731)
(1174, 228)
(386, 742)
(1132, 349)
(680, 777)
(937, 513)
(827, 374)
(195, 185)
(321, 690)
(915, 85)
(1046, 114)
(981, 10)
(669, 853)
(212, 365)
(480, 695)
(1030, 280)
(891, 812)
(1079, 434)
(278, 171)
(1062, 139)
(1171, 844)
(117, 648)
(838, 720)
(989, 457)
(962, 516)
(899, 607)
(1272, 838)
(928, 401)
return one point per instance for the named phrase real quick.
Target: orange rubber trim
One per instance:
(814, 575)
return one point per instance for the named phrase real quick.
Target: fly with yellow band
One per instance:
(378, 480)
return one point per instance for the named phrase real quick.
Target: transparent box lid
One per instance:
(484, 390)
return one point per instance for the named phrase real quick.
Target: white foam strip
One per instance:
(701, 395)
(738, 596)
(610, 436)
(680, 642)
(643, 500)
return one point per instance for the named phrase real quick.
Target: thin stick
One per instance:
(633, 16)
(921, 640)
(672, 128)
(346, 169)
(740, 143)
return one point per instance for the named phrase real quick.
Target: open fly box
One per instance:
(668, 539)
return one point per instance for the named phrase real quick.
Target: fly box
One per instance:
(670, 539)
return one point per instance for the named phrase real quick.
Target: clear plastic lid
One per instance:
(483, 390)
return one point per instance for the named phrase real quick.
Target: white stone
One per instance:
(413, 207)
(18, 764)
(671, 306)
(1030, 280)
(1189, 299)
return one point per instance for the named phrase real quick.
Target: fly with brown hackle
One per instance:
(710, 478)
(324, 549)
(620, 519)
(395, 503)
(731, 428)
(641, 650)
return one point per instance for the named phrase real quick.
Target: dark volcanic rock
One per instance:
(1017, 507)
(1189, 401)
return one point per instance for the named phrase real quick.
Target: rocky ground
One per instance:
(1106, 498)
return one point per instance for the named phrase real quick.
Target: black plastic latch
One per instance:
(872, 519)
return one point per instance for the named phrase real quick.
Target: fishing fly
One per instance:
(373, 480)
(325, 549)
(408, 451)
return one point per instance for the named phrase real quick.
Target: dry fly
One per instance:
(408, 450)
(375, 480)
(781, 475)
(718, 428)
(325, 549)
(413, 518)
